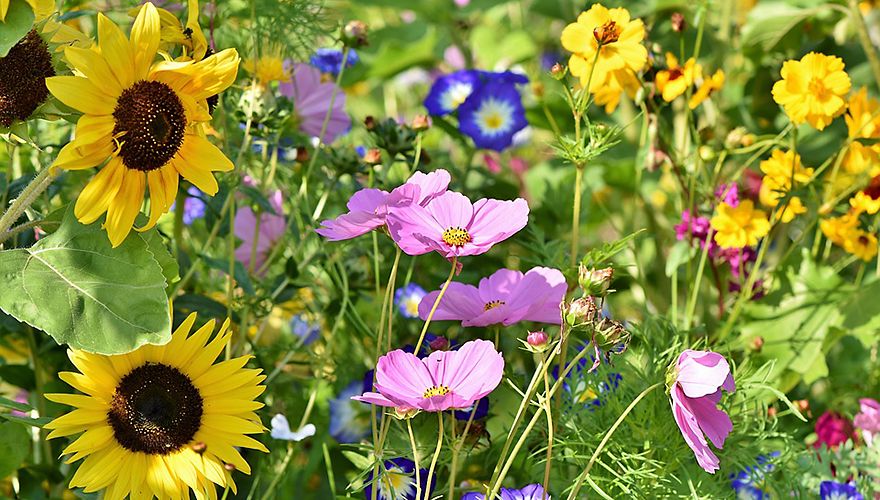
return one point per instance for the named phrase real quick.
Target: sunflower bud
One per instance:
(354, 34)
(595, 281)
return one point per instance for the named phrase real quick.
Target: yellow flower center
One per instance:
(817, 88)
(437, 390)
(456, 236)
(607, 33)
(492, 305)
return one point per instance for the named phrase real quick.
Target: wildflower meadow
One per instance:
(439, 249)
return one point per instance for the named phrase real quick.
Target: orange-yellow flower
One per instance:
(739, 226)
(707, 88)
(781, 171)
(860, 243)
(863, 115)
(813, 90)
(836, 228)
(676, 79)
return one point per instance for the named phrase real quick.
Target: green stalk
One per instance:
(436, 454)
(865, 39)
(27, 197)
(437, 303)
(415, 451)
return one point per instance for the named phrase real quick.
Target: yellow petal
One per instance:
(95, 68)
(116, 50)
(145, 38)
(96, 197)
(81, 94)
(125, 206)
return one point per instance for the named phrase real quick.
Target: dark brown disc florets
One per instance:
(23, 74)
(150, 124)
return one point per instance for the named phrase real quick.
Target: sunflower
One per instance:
(143, 118)
(161, 420)
(42, 8)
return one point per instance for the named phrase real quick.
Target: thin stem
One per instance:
(415, 451)
(576, 213)
(692, 302)
(437, 303)
(436, 454)
(30, 193)
(280, 473)
(865, 39)
(456, 449)
(550, 430)
(580, 480)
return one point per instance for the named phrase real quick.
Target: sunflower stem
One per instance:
(30, 193)
(436, 455)
(437, 303)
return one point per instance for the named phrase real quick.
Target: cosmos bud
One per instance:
(373, 157)
(421, 123)
(558, 71)
(678, 22)
(581, 311)
(354, 34)
(595, 281)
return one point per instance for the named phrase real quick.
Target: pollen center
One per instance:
(607, 33)
(456, 236)
(437, 390)
(150, 125)
(23, 74)
(156, 410)
(818, 89)
(492, 305)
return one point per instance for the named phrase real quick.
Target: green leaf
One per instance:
(680, 253)
(33, 422)
(862, 314)
(239, 272)
(14, 405)
(14, 447)
(160, 252)
(74, 286)
(19, 20)
(600, 256)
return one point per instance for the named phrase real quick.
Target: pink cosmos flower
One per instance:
(695, 393)
(271, 229)
(442, 381)
(506, 297)
(453, 226)
(369, 207)
(868, 419)
(833, 429)
(311, 99)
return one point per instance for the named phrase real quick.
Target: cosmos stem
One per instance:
(27, 197)
(437, 303)
(436, 452)
(415, 452)
(456, 450)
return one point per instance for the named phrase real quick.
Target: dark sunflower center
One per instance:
(23, 74)
(150, 124)
(156, 409)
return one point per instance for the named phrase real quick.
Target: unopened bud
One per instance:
(706, 153)
(439, 344)
(558, 71)
(757, 344)
(369, 122)
(612, 333)
(772, 411)
(421, 123)
(595, 281)
(354, 34)
(802, 405)
(373, 157)
(302, 155)
(581, 311)
(748, 140)
(404, 413)
(678, 23)
(537, 339)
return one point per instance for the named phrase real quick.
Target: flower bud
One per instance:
(558, 71)
(772, 411)
(581, 311)
(612, 334)
(354, 34)
(439, 344)
(421, 123)
(757, 343)
(538, 340)
(595, 281)
(373, 156)
(404, 413)
(678, 22)
(369, 122)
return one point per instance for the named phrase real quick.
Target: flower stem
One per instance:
(580, 480)
(576, 213)
(456, 449)
(550, 430)
(30, 193)
(436, 455)
(865, 39)
(436, 303)
(692, 301)
(415, 451)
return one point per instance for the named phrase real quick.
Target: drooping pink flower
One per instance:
(868, 419)
(442, 381)
(369, 207)
(454, 227)
(833, 429)
(272, 226)
(505, 297)
(312, 98)
(699, 378)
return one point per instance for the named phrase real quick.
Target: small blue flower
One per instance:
(482, 410)
(748, 483)
(193, 206)
(308, 331)
(450, 91)
(530, 492)
(349, 419)
(398, 481)
(330, 60)
(832, 490)
(407, 299)
(492, 115)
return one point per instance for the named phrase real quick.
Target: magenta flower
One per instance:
(695, 393)
(506, 297)
(696, 228)
(272, 226)
(453, 226)
(312, 98)
(728, 193)
(868, 419)
(442, 381)
(833, 429)
(368, 208)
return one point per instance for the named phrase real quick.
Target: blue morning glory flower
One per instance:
(832, 490)
(449, 91)
(492, 115)
(398, 481)
(482, 410)
(330, 60)
(408, 298)
(747, 483)
(193, 206)
(349, 419)
(308, 331)
(503, 77)
(530, 492)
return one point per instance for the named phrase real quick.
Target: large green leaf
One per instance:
(74, 286)
(14, 447)
(19, 19)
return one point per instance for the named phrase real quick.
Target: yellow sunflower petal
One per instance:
(94, 67)
(81, 94)
(145, 38)
(125, 206)
(116, 49)
(96, 197)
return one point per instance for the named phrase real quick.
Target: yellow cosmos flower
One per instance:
(618, 83)
(739, 226)
(161, 420)
(864, 202)
(708, 87)
(835, 228)
(611, 39)
(863, 115)
(143, 118)
(42, 8)
(860, 158)
(861, 244)
(812, 90)
(781, 171)
(675, 80)
(267, 69)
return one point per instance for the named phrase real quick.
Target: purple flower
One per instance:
(832, 490)
(728, 193)
(398, 481)
(481, 411)
(449, 91)
(193, 206)
(506, 297)
(868, 419)
(696, 390)
(738, 258)
(833, 429)
(530, 492)
(748, 483)
(311, 99)
(350, 420)
(454, 227)
(696, 228)
(262, 238)
(307, 331)
(329, 60)
(408, 298)
(368, 208)
(493, 114)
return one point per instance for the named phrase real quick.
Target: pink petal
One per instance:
(701, 372)
(472, 372)
(413, 228)
(499, 285)
(245, 222)
(690, 430)
(430, 185)
(460, 302)
(496, 220)
(402, 377)
(349, 226)
(537, 297)
(374, 398)
(367, 200)
(451, 209)
(714, 422)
